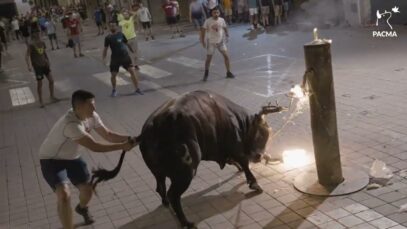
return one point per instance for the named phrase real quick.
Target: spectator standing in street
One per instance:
(144, 17)
(286, 8)
(1, 55)
(196, 14)
(214, 35)
(177, 12)
(16, 28)
(170, 10)
(61, 160)
(127, 24)
(119, 57)
(51, 32)
(278, 9)
(34, 24)
(242, 10)
(98, 20)
(227, 7)
(41, 21)
(265, 12)
(253, 12)
(73, 30)
(103, 15)
(3, 39)
(37, 59)
(24, 29)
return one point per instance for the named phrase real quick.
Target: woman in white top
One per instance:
(16, 28)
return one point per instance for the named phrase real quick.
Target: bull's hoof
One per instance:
(189, 225)
(256, 187)
(165, 203)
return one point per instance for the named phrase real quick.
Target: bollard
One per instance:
(329, 178)
(323, 112)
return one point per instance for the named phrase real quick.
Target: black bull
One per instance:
(197, 126)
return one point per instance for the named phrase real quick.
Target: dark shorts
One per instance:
(52, 36)
(146, 24)
(59, 171)
(116, 63)
(171, 20)
(40, 72)
(98, 23)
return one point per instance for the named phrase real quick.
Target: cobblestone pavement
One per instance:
(370, 86)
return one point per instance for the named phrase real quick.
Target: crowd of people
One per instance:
(263, 12)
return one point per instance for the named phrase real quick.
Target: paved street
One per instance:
(370, 87)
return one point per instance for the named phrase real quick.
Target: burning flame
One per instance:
(297, 92)
(295, 158)
(315, 33)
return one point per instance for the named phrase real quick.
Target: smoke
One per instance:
(321, 14)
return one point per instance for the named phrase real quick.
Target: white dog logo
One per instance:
(380, 15)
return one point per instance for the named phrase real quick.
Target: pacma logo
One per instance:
(386, 15)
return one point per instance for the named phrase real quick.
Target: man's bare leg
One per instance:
(39, 92)
(80, 50)
(64, 206)
(85, 194)
(134, 79)
(51, 86)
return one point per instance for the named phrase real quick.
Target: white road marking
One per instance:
(21, 96)
(65, 85)
(105, 78)
(153, 72)
(93, 50)
(188, 62)
(160, 89)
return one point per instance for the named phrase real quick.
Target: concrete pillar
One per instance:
(323, 112)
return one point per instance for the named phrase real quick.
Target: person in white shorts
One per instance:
(253, 12)
(216, 32)
(242, 10)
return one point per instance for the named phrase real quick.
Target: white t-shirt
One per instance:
(50, 27)
(15, 25)
(215, 30)
(210, 4)
(60, 142)
(143, 14)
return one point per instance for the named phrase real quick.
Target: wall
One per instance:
(381, 5)
(22, 7)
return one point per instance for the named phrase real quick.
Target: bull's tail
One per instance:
(100, 174)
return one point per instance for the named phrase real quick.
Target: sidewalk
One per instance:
(370, 87)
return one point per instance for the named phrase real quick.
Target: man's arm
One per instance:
(110, 136)
(105, 49)
(90, 143)
(226, 31)
(127, 44)
(80, 25)
(202, 36)
(28, 59)
(104, 53)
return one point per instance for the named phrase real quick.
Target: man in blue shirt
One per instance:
(98, 20)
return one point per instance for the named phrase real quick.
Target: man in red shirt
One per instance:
(170, 9)
(74, 28)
